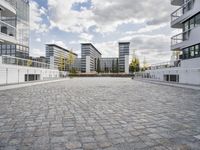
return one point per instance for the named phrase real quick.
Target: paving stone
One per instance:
(99, 113)
(73, 145)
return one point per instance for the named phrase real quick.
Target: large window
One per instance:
(192, 23)
(186, 26)
(191, 52)
(197, 50)
(197, 20)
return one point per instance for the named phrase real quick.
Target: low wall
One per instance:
(186, 75)
(99, 75)
(10, 74)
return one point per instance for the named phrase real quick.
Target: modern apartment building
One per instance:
(186, 18)
(56, 55)
(124, 48)
(187, 68)
(89, 57)
(14, 28)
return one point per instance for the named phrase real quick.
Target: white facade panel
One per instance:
(127, 64)
(87, 64)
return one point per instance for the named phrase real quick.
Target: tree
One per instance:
(145, 65)
(70, 60)
(117, 66)
(113, 66)
(61, 63)
(29, 62)
(98, 66)
(134, 65)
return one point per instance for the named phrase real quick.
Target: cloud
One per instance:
(37, 52)
(107, 15)
(85, 37)
(38, 40)
(59, 43)
(148, 28)
(36, 20)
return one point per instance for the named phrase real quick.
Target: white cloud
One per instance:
(148, 28)
(59, 43)
(36, 21)
(107, 15)
(37, 52)
(85, 37)
(38, 40)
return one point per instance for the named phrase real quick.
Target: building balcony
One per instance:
(7, 33)
(8, 6)
(185, 39)
(181, 14)
(177, 41)
(177, 2)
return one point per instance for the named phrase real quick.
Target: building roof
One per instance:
(92, 46)
(124, 42)
(54, 45)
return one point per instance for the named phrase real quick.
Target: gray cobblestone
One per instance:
(99, 113)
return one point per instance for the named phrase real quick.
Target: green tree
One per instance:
(145, 65)
(113, 66)
(117, 66)
(98, 66)
(134, 65)
(61, 63)
(70, 60)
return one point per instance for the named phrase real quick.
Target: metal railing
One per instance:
(13, 3)
(169, 64)
(7, 29)
(24, 62)
(180, 37)
(182, 10)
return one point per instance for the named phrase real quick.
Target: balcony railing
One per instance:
(182, 10)
(7, 29)
(23, 62)
(179, 38)
(169, 64)
(13, 3)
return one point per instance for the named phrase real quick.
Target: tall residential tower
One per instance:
(124, 56)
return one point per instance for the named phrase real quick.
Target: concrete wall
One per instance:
(127, 64)
(191, 63)
(16, 74)
(186, 75)
(88, 64)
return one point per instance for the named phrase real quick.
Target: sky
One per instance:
(67, 23)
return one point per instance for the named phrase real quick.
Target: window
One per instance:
(185, 53)
(197, 50)
(191, 51)
(197, 20)
(191, 23)
(186, 26)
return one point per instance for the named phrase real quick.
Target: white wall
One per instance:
(16, 74)
(186, 75)
(87, 64)
(127, 64)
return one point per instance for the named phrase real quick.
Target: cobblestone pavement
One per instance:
(100, 113)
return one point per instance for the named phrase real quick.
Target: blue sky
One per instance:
(146, 24)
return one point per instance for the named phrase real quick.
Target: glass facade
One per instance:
(20, 25)
(191, 52)
(191, 23)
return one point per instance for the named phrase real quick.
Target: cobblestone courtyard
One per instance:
(100, 113)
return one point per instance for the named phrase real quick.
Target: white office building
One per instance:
(187, 69)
